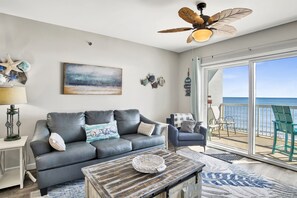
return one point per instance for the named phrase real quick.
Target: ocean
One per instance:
(237, 108)
(262, 101)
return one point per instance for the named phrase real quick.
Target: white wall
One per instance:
(47, 46)
(215, 88)
(237, 47)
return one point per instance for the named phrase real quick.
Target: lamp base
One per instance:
(12, 137)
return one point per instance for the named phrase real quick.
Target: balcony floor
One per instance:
(263, 145)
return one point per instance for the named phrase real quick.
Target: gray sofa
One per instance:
(54, 167)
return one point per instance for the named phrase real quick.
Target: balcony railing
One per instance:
(263, 114)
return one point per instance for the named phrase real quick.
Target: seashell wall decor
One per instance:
(150, 78)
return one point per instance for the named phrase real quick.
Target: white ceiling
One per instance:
(139, 20)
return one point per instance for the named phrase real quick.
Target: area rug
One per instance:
(73, 189)
(227, 157)
(219, 180)
(224, 180)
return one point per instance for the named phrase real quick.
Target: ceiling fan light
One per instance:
(202, 35)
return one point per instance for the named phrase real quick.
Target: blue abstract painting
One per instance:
(91, 79)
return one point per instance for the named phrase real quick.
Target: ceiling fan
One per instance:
(204, 26)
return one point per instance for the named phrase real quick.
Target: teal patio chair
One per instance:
(283, 123)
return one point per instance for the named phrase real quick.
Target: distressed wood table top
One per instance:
(117, 178)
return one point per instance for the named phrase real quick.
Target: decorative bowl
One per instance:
(149, 163)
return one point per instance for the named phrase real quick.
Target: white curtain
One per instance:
(196, 100)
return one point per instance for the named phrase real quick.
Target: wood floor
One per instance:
(16, 192)
(263, 145)
(280, 174)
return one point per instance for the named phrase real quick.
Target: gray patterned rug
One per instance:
(73, 189)
(227, 157)
(220, 180)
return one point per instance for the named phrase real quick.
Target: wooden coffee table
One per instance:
(117, 178)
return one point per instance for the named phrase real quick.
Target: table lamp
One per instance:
(11, 96)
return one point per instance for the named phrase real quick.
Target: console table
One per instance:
(117, 178)
(13, 176)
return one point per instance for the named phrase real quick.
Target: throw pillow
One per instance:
(146, 129)
(57, 142)
(188, 126)
(197, 127)
(101, 131)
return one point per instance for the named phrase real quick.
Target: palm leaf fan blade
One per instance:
(190, 38)
(190, 16)
(225, 30)
(175, 30)
(230, 15)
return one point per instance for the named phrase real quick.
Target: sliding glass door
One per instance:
(239, 108)
(228, 107)
(276, 84)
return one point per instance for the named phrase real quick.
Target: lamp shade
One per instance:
(12, 95)
(202, 35)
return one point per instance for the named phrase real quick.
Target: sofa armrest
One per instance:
(164, 132)
(173, 135)
(158, 127)
(39, 143)
(203, 131)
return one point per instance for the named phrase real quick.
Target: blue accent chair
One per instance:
(181, 138)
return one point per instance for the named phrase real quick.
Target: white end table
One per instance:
(13, 176)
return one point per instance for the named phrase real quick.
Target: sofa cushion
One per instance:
(185, 136)
(101, 131)
(128, 121)
(67, 125)
(75, 152)
(142, 141)
(111, 147)
(98, 117)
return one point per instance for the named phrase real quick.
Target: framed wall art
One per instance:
(84, 79)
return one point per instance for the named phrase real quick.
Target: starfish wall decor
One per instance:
(13, 71)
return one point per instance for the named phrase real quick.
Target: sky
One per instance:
(274, 79)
